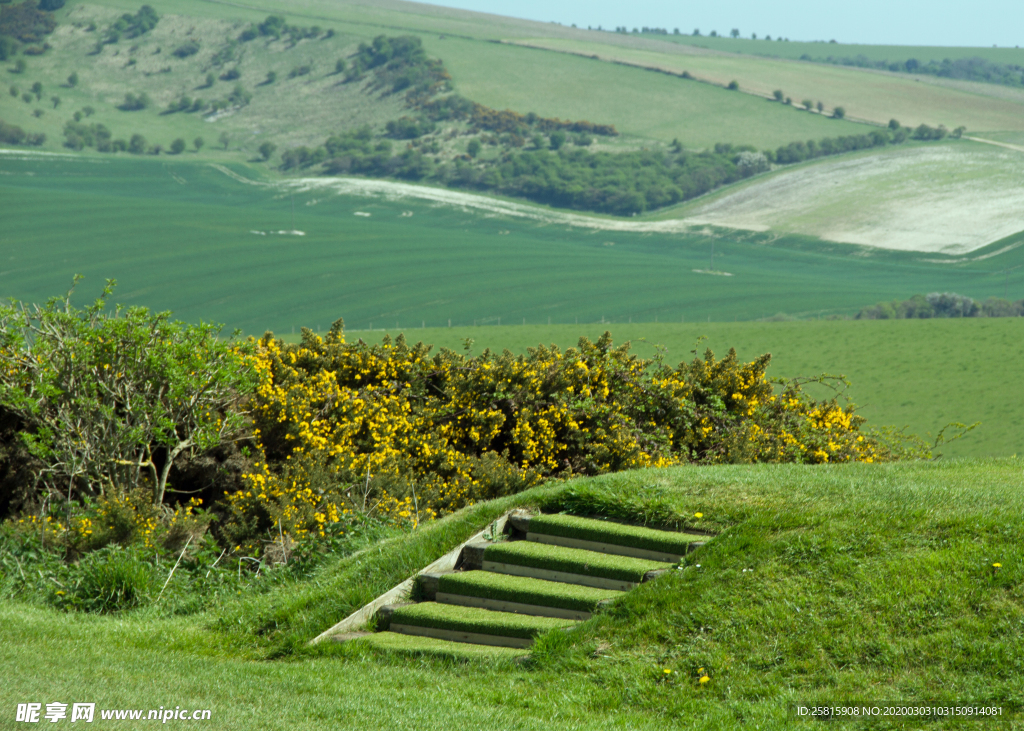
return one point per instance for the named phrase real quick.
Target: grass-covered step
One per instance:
(471, 624)
(416, 645)
(520, 594)
(610, 537)
(570, 565)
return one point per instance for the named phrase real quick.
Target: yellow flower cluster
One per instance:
(347, 429)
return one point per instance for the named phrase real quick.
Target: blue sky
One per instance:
(934, 23)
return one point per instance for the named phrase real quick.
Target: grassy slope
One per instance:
(864, 94)
(570, 87)
(919, 373)
(949, 197)
(868, 583)
(493, 74)
(815, 49)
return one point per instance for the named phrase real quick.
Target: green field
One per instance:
(571, 87)
(179, 236)
(865, 95)
(833, 583)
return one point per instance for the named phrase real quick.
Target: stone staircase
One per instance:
(551, 571)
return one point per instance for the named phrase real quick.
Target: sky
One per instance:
(936, 23)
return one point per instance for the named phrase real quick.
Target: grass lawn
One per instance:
(844, 583)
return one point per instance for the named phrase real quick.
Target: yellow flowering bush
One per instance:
(123, 518)
(347, 429)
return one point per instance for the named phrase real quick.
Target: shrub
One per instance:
(178, 146)
(409, 128)
(133, 103)
(110, 399)
(189, 48)
(344, 428)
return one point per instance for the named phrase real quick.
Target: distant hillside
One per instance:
(604, 122)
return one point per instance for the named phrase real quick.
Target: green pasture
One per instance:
(851, 583)
(640, 103)
(180, 236)
(922, 374)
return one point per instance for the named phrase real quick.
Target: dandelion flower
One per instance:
(698, 515)
(667, 671)
(997, 565)
(704, 679)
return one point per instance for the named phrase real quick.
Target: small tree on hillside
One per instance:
(735, 32)
(37, 89)
(224, 139)
(56, 101)
(821, 107)
(73, 79)
(779, 96)
(137, 144)
(473, 148)
(894, 124)
(178, 146)
(838, 113)
(198, 143)
(734, 85)
(267, 149)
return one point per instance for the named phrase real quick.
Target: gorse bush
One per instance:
(347, 428)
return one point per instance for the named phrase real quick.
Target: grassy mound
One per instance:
(588, 529)
(849, 582)
(524, 590)
(472, 619)
(572, 560)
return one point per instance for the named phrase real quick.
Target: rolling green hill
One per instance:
(185, 236)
